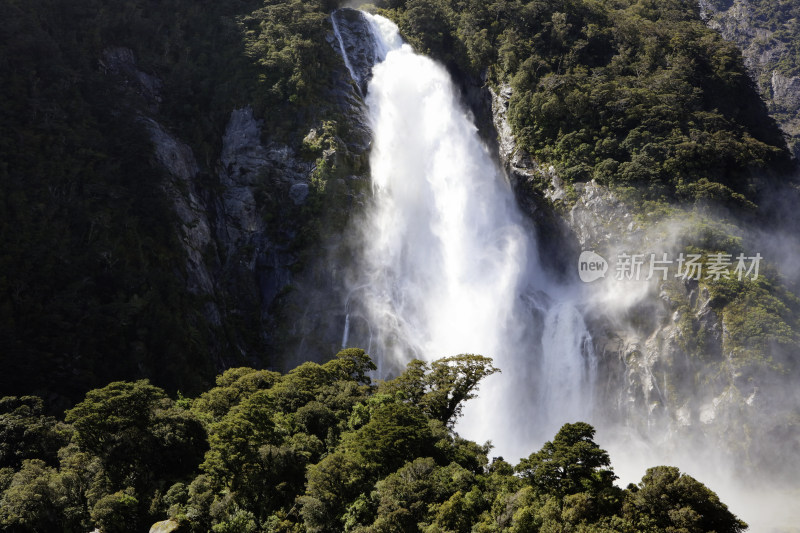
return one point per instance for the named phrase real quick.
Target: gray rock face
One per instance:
(785, 91)
(233, 261)
(239, 214)
(165, 526)
(232, 257)
(121, 63)
(762, 53)
(254, 267)
(177, 158)
(242, 152)
(598, 218)
(506, 143)
(243, 161)
(519, 164)
(643, 334)
(354, 39)
(298, 193)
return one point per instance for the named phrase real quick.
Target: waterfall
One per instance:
(569, 364)
(346, 334)
(342, 49)
(450, 264)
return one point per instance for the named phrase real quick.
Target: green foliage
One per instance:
(321, 449)
(240, 522)
(93, 279)
(441, 389)
(633, 93)
(666, 500)
(116, 513)
(283, 39)
(352, 364)
(333, 483)
(134, 428)
(94, 276)
(759, 316)
(451, 382)
(29, 502)
(761, 321)
(569, 464)
(396, 433)
(26, 433)
(771, 36)
(233, 386)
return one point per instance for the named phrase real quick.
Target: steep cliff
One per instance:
(767, 34)
(677, 356)
(175, 204)
(263, 218)
(166, 184)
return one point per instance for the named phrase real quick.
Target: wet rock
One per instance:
(354, 37)
(737, 22)
(298, 193)
(120, 62)
(242, 152)
(195, 227)
(785, 91)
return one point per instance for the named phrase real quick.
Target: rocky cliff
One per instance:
(673, 359)
(244, 217)
(767, 35)
(158, 220)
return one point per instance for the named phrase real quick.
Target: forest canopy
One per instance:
(635, 93)
(93, 265)
(321, 448)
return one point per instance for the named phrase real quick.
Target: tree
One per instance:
(667, 500)
(409, 386)
(29, 503)
(403, 496)
(396, 433)
(233, 386)
(137, 433)
(571, 463)
(352, 364)
(452, 381)
(233, 460)
(334, 482)
(116, 513)
(26, 433)
(300, 386)
(441, 388)
(114, 424)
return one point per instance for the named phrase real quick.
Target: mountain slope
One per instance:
(157, 191)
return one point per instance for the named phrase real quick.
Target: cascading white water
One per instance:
(450, 265)
(339, 39)
(569, 365)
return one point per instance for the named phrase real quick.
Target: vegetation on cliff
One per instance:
(93, 284)
(656, 107)
(323, 449)
(638, 95)
(767, 32)
(633, 93)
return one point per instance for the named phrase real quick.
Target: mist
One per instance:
(447, 263)
(450, 265)
(700, 436)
